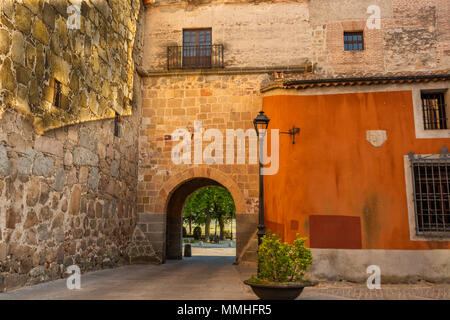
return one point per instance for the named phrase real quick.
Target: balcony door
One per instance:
(197, 48)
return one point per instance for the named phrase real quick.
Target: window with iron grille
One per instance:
(353, 41)
(431, 185)
(434, 113)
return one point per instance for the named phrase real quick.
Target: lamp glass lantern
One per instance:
(261, 122)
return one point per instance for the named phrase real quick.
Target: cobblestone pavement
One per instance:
(205, 276)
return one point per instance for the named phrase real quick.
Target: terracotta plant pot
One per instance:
(278, 291)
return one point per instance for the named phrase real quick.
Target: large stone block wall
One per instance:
(414, 35)
(94, 63)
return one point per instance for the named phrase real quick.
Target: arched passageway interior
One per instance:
(174, 240)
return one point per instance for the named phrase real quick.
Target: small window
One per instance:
(353, 41)
(57, 92)
(434, 113)
(432, 195)
(117, 120)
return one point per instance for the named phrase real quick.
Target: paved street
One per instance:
(204, 276)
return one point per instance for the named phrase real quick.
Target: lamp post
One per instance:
(261, 122)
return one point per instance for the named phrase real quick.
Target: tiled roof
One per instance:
(314, 81)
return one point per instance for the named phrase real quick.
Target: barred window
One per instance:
(353, 41)
(434, 113)
(431, 178)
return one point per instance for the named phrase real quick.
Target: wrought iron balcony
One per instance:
(195, 57)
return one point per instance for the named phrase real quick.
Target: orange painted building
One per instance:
(337, 185)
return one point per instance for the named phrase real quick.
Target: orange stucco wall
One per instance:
(333, 170)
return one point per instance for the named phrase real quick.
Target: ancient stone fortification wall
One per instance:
(414, 35)
(67, 196)
(93, 63)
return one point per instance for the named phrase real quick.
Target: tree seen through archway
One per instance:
(208, 204)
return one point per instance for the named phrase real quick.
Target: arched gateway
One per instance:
(177, 189)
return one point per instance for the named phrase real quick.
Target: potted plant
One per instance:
(281, 267)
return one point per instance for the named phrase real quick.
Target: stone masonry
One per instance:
(68, 195)
(93, 63)
(97, 193)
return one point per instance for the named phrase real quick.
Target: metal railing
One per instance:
(195, 57)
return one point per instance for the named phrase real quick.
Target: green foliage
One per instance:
(282, 262)
(197, 233)
(214, 200)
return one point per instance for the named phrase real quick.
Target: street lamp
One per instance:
(261, 122)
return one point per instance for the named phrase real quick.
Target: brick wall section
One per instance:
(176, 102)
(253, 34)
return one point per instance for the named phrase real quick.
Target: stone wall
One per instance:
(68, 196)
(413, 35)
(170, 103)
(259, 37)
(93, 63)
(253, 33)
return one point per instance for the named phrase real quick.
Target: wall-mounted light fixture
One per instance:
(292, 132)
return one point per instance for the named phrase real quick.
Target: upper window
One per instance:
(197, 48)
(434, 113)
(353, 41)
(196, 51)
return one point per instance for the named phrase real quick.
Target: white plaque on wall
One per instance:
(376, 137)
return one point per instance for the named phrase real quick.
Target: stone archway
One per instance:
(174, 214)
(173, 195)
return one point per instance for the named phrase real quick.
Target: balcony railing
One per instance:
(195, 57)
